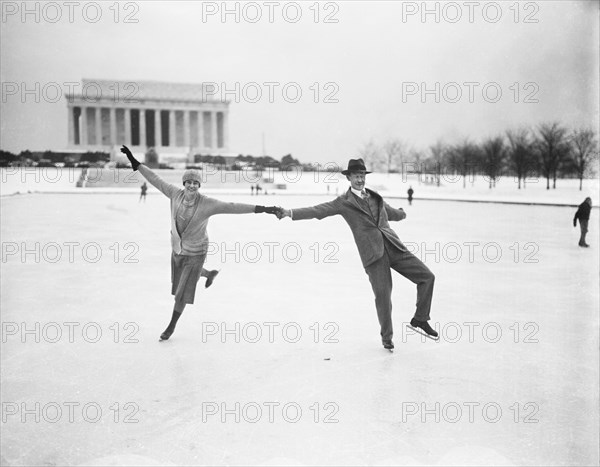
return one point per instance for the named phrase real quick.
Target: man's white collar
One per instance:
(357, 192)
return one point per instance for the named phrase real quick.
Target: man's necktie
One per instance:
(372, 208)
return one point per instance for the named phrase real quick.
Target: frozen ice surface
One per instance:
(100, 180)
(527, 396)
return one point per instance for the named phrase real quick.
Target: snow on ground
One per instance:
(280, 361)
(296, 182)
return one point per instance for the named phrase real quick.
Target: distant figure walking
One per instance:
(410, 195)
(144, 189)
(583, 214)
(251, 190)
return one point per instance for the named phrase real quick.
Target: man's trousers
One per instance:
(583, 225)
(380, 277)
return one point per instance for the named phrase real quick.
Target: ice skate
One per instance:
(389, 345)
(423, 328)
(210, 278)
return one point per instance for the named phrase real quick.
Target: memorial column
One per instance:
(113, 126)
(213, 130)
(186, 128)
(71, 123)
(127, 118)
(200, 129)
(83, 129)
(98, 126)
(225, 130)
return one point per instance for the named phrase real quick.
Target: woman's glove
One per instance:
(267, 209)
(134, 162)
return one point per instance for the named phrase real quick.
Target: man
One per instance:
(410, 195)
(379, 247)
(190, 212)
(583, 214)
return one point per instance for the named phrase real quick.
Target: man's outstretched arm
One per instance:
(320, 211)
(393, 213)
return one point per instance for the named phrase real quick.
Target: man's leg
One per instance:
(414, 270)
(583, 225)
(381, 282)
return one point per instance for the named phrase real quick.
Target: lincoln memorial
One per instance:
(175, 119)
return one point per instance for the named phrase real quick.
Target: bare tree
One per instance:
(563, 158)
(552, 148)
(412, 162)
(370, 153)
(520, 154)
(585, 151)
(494, 154)
(393, 151)
(416, 157)
(438, 152)
(464, 158)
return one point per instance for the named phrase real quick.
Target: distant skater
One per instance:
(380, 249)
(144, 189)
(190, 212)
(410, 195)
(583, 215)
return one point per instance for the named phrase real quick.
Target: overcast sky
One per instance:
(375, 59)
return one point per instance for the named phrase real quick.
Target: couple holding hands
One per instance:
(364, 210)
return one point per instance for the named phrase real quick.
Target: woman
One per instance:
(190, 212)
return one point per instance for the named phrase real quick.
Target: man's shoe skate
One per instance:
(210, 278)
(428, 331)
(389, 345)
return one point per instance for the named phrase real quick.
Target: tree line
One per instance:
(550, 150)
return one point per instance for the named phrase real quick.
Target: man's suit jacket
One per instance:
(369, 233)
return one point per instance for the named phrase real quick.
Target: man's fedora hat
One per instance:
(355, 165)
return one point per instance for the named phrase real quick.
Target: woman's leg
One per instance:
(185, 272)
(177, 311)
(210, 276)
